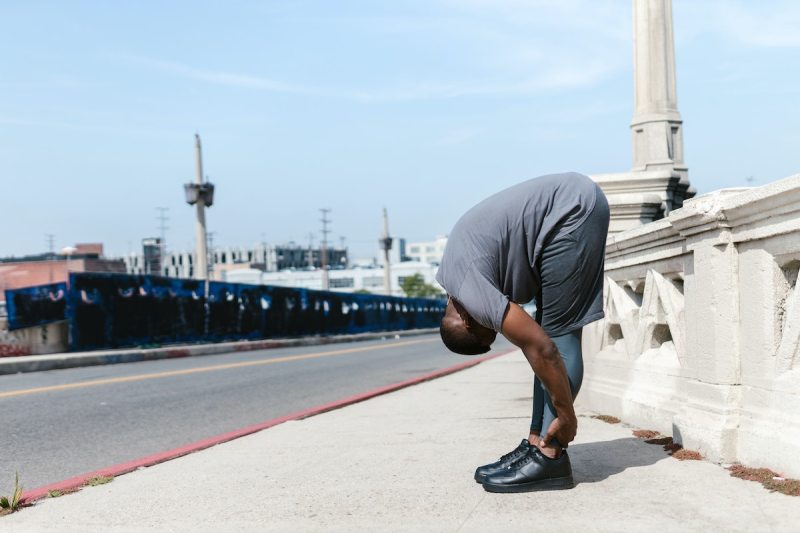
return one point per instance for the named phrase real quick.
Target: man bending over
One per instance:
(543, 240)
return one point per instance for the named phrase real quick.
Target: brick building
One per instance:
(41, 269)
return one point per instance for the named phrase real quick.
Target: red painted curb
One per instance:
(79, 481)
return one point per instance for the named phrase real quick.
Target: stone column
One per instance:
(658, 182)
(656, 127)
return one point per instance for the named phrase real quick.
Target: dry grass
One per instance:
(669, 446)
(687, 455)
(645, 433)
(99, 480)
(58, 493)
(662, 441)
(608, 419)
(672, 448)
(772, 481)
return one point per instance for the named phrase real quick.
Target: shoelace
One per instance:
(525, 460)
(531, 456)
(514, 454)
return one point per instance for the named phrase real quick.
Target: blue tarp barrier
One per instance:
(33, 306)
(117, 310)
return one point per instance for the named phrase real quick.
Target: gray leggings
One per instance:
(569, 346)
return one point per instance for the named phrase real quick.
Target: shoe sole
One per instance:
(559, 483)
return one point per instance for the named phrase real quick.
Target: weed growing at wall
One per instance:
(10, 505)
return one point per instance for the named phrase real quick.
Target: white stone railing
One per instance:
(701, 338)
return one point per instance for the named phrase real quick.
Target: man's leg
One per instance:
(520, 451)
(538, 411)
(550, 469)
(569, 346)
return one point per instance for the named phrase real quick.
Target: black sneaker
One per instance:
(504, 462)
(533, 472)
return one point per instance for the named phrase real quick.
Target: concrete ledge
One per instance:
(38, 363)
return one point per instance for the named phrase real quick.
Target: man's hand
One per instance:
(563, 429)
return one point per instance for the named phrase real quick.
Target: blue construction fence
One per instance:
(33, 306)
(118, 310)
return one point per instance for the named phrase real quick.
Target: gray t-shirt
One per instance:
(492, 254)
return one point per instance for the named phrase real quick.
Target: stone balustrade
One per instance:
(702, 328)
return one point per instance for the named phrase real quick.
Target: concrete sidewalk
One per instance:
(404, 462)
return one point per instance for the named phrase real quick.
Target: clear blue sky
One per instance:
(422, 106)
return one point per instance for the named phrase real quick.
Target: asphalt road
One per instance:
(61, 423)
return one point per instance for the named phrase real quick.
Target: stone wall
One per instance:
(702, 328)
(37, 340)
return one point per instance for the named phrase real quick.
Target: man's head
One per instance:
(462, 334)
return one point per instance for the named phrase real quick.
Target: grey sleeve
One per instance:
(482, 300)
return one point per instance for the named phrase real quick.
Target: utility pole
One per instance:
(324, 248)
(211, 260)
(200, 229)
(50, 239)
(162, 218)
(311, 251)
(264, 248)
(200, 194)
(386, 246)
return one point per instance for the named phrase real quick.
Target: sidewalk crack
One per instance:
(469, 515)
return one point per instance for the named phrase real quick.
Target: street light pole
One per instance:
(200, 229)
(200, 194)
(386, 246)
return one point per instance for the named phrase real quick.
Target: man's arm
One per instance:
(542, 355)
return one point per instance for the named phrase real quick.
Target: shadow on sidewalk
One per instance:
(596, 461)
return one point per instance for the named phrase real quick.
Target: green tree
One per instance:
(415, 287)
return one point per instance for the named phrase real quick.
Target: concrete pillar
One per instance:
(656, 126)
(709, 419)
(658, 183)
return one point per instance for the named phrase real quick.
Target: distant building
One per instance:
(41, 269)
(152, 249)
(344, 280)
(261, 257)
(427, 252)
